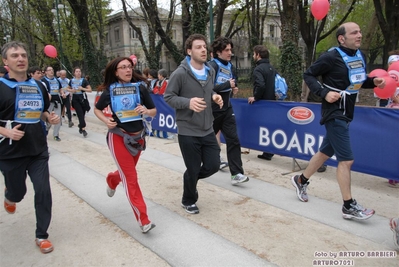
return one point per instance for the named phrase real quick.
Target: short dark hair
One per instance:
(340, 31)
(34, 69)
(220, 44)
(153, 73)
(189, 42)
(262, 51)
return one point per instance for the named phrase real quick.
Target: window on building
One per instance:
(106, 38)
(116, 35)
(133, 34)
(272, 30)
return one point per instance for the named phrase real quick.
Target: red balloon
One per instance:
(50, 51)
(320, 8)
(134, 59)
(388, 90)
(378, 73)
(393, 71)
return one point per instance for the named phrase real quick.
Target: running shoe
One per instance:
(300, 188)
(192, 209)
(239, 178)
(356, 212)
(84, 133)
(56, 138)
(394, 224)
(223, 164)
(9, 206)
(70, 124)
(146, 228)
(44, 245)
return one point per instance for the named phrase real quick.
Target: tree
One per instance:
(81, 11)
(199, 16)
(388, 18)
(291, 59)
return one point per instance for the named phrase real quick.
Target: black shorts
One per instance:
(337, 140)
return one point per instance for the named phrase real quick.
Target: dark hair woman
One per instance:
(126, 130)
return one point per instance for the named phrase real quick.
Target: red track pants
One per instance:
(127, 173)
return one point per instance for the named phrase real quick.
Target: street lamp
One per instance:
(57, 13)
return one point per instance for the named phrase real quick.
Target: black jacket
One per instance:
(333, 71)
(263, 77)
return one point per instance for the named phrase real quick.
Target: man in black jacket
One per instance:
(263, 77)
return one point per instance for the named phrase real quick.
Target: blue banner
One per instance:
(292, 129)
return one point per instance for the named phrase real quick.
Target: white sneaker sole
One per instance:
(110, 192)
(146, 228)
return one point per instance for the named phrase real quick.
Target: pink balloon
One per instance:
(50, 51)
(134, 59)
(320, 8)
(393, 71)
(378, 73)
(388, 90)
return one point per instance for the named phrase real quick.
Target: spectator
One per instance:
(152, 78)
(263, 78)
(161, 84)
(393, 101)
(145, 72)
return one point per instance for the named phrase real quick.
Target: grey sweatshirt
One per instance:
(182, 86)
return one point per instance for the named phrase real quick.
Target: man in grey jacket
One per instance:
(190, 93)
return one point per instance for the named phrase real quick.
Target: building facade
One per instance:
(122, 40)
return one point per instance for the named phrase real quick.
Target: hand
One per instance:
(251, 99)
(53, 118)
(232, 83)
(331, 97)
(197, 104)
(379, 82)
(218, 100)
(15, 134)
(140, 109)
(111, 123)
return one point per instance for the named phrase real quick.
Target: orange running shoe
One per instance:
(9, 206)
(44, 245)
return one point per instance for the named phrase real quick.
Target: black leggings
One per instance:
(66, 102)
(78, 105)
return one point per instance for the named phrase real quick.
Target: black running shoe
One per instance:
(192, 209)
